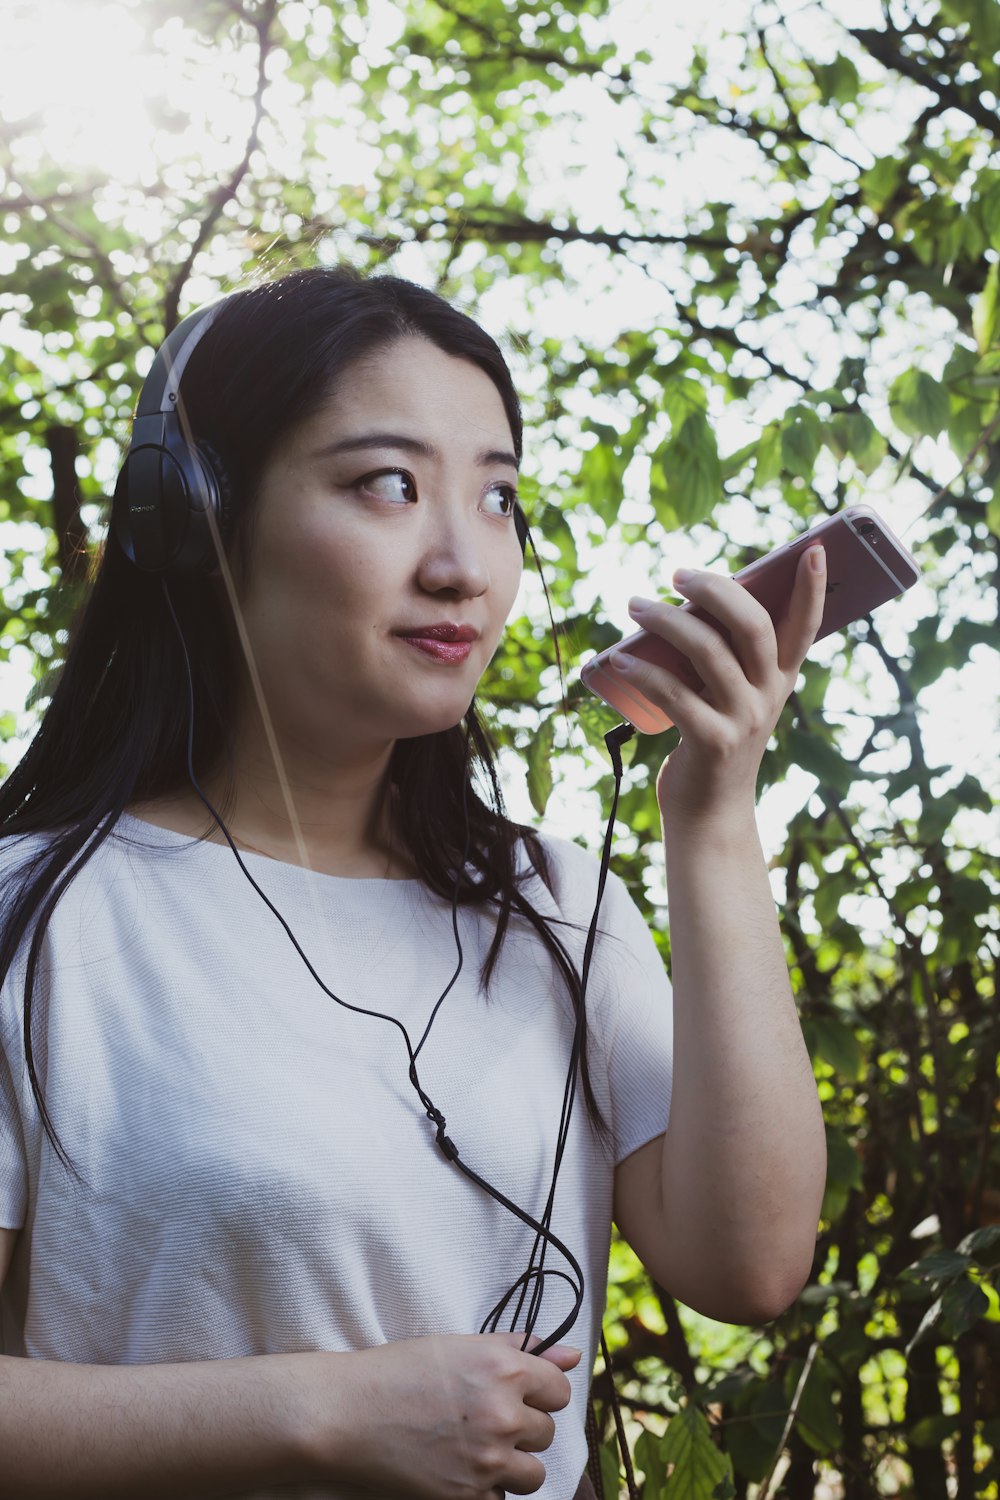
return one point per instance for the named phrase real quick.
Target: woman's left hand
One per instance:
(726, 725)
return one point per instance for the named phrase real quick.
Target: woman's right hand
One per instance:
(450, 1416)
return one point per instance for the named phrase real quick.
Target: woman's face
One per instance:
(386, 514)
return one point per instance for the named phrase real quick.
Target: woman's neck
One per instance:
(336, 823)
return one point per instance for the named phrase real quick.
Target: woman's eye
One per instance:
(504, 497)
(390, 484)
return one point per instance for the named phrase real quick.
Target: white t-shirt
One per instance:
(263, 1176)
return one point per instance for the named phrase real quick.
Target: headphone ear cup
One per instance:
(206, 489)
(221, 488)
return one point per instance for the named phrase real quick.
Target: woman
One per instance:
(236, 1259)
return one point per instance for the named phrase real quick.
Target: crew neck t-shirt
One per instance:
(262, 1175)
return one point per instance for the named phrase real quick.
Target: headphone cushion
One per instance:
(217, 472)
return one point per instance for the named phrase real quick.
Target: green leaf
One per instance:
(918, 403)
(928, 1324)
(993, 513)
(801, 440)
(734, 463)
(880, 182)
(940, 1265)
(853, 434)
(815, 754)
(846, 1347)
(681, 397)
(838, 81)
(751, 1443)
(689, 463)
(610, 1467)
(989, 215)
(959, 1307)
(843, 1174)
(965, 424)
(768, 464)
(699, 1466)
(986, 311)
(817, 1418)
(648, 1457)
(931, 1432)
(837, 1044)
(981, 1242)
(963, 1304)
(540, 764)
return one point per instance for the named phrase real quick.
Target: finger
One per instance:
(749, 626)
(524, 1474)
(717, 667)
(541, 1436)
(684, 707)
(798, 628)
(563, 1356)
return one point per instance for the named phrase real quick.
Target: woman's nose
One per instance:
(454, 556)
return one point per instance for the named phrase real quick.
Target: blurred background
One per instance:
(743, 259)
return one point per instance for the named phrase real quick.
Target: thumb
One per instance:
(563, 1355)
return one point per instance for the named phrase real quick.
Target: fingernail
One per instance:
(638, 605)
(817, 559)
(622, 662)
(683, 575)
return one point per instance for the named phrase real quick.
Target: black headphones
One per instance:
(173, 488)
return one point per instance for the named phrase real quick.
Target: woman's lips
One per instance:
(450, 651)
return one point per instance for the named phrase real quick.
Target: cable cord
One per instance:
(614, 740)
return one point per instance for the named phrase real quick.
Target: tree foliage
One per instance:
(801, 240)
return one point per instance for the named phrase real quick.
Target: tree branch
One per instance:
(98, 254)
(226, 190)
(71, 533)
(535, 231)
(503, 50)
(23, 201)
(886, 48)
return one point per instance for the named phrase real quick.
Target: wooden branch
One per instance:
(536, 231)
(71, 533)
(503, 50)
(226, 190)
(75, 232)
(679, 1355)
(16, 408)
(23, 201)
(886, 48)
(765, 1488)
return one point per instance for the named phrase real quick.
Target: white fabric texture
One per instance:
(263, 1177)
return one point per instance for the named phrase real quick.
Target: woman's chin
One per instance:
(430, 719)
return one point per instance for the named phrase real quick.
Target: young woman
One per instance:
(234, 1257)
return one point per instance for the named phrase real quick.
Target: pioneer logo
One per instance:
(135, 509)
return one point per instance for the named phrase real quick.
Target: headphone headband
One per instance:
(159, 391)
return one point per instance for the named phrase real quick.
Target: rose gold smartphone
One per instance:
(866, 565)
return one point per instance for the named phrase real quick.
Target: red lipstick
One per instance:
(444, 641)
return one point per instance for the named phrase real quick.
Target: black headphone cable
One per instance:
(614, 739)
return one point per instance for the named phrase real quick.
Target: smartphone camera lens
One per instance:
(866, 529)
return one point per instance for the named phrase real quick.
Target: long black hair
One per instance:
(112, 735)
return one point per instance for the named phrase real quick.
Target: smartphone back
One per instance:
(866, 565)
